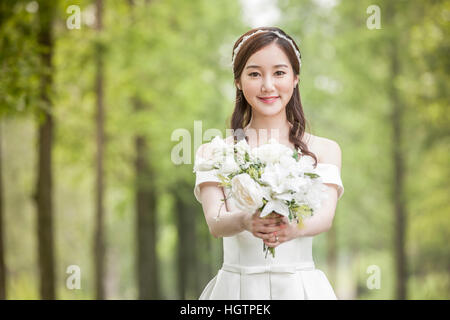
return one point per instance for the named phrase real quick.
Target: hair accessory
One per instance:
(236, 51)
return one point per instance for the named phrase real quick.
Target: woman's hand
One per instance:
(265, 228)
(288, 232)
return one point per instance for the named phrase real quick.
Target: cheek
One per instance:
(286, 85)
(252, 88)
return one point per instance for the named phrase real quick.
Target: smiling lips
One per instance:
(268, 99)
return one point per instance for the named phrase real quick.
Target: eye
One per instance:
(278, 73)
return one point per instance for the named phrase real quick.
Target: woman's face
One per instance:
(268, 73)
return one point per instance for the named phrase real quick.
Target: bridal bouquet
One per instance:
(269, 178)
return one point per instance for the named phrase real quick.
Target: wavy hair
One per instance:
(294, 111)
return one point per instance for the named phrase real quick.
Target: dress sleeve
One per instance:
(203, 176)
(330, 174)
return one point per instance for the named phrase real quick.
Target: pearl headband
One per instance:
(236, 51)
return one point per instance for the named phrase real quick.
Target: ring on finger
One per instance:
(276, 237)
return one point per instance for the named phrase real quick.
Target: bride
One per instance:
(266, 65)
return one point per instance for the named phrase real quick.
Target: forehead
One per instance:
(268, 56)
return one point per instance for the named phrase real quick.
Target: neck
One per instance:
(267, 127)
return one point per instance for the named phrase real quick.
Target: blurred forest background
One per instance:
(88, 120)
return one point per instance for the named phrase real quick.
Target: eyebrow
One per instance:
(259, 67)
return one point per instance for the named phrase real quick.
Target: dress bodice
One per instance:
(247, 250)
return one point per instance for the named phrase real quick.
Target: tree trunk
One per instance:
(147, 261)
(398, 163)
(44, 186)
(205, 266)
(398, 192)
(187, 243)
(3, 14)
(99, 245)
(2, 245)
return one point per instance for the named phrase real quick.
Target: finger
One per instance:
(285, 220)
(269, 221)
(263, 223)
(279, 225)
(271, 244)
(256, 213)
(264, 236)
(270, 229)
(275, 240)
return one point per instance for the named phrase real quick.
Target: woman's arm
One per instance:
(229, 223)
(322, 220)
(211, 195)
(233, 222)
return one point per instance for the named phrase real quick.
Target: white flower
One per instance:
(202, 164)
(212, 156)
(271, 152)
(220, 150)
(242, 147)
(287, 161)
(306, 162)
(218, 143)
(229, 165)
(277, 177)
(275, 205)
(248, 194)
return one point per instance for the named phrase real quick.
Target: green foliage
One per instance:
(165, 66)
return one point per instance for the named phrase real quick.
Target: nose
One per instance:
(268, 84)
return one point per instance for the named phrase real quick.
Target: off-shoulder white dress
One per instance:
(246, 274)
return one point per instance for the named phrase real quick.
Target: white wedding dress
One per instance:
(247, 275)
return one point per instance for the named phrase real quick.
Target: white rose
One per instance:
(306, 162)
(229, 165)
(287, 161)
(202, 164)
(242, 147)
(247, 193)
(220, 150)
(218, 143)
(271, 152)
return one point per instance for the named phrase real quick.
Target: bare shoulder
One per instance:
(229, 140)
(327, 150)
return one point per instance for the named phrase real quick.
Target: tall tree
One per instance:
(187, 260)
(398, 158)
(99, 242)
(20, 64)
(44, 185)
(145, 186)
(2, 245)
(3, 10)
(147, 261)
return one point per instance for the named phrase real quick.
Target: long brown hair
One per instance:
(294, 111)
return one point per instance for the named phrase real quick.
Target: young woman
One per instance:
(266, 66)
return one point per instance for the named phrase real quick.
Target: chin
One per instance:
(268, 111)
